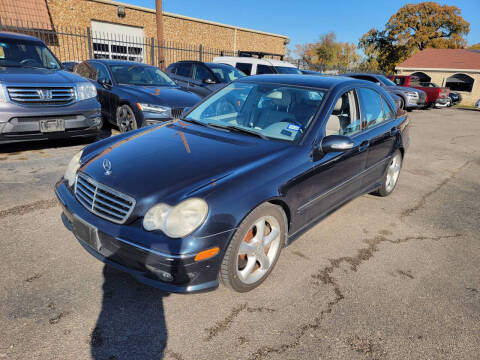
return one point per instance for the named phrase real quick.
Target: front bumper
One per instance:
(22, 123)
(170, 272)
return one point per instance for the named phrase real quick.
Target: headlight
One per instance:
(412, 94)
(72, 168)
(177, 221)
(163, 111)
(3, 98)
(86, 90)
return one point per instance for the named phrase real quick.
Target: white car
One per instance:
(251, 65)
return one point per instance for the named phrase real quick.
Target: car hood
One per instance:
(161, 95)
(173, 160)
(403, 89)
(35, 77)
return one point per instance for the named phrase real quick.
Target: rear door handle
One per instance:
(364, 146)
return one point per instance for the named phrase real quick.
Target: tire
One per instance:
(392, 174)
(244, 267)
(402, 103)
(126, 120)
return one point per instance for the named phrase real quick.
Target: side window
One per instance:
(399, 81)
(245, 68)
(387, 110)
(102, 72)
(201, 74)
(264, 69)
(172, 69)
(183, 69)
(86, 70)
(372, 106)
(345, 119)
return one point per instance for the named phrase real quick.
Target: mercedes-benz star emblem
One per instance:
(107, 165)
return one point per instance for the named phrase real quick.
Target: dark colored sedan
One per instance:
(202, 78)
(217, 194)
(133, 95)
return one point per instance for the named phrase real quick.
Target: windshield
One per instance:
(271, 110)
(26, 53)
(386, 81)
(140, 75)
(225, 73)
(287, 70)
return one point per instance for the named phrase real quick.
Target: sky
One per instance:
(305, 20)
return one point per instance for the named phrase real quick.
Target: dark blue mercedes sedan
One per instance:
(217, 194)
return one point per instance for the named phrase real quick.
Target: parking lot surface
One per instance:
(382, 278)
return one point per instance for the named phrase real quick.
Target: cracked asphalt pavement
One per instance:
(382, 278)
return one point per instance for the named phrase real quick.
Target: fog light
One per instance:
(163, 275)
(97, 121)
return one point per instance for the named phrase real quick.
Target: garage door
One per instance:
(115, 41)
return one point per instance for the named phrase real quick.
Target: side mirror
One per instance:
(336, 143)
(106, 83)
(209, 81)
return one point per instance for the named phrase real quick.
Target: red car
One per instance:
(435, 95)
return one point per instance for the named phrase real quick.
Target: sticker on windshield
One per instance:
(293, 127)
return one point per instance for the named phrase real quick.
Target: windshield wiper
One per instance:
(238, 129)
(193, 121)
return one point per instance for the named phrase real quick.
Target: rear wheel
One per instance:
(390, 178)
(255, 248)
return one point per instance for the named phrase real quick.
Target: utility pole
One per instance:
(161, 61)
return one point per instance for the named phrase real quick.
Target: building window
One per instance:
(424, 78)
(460, 82)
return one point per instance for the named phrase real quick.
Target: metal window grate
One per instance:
(102, 200)
(51, 95)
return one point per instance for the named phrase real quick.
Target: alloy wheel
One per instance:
(126, 119)
(393, 172)
(258, 250)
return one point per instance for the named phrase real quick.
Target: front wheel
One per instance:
(126, 120)
(390, 178)
(255, 248)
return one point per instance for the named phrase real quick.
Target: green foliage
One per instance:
(327, 53)
(413, 28)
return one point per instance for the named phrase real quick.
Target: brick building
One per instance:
(457, 69)
(117, 23)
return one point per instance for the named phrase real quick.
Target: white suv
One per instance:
(251, 65)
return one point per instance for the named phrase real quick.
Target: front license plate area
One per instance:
(86, 233)
(52, 125)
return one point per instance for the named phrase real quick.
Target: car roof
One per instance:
(315, 81)
(10, 35)
(364, 74)
(253, 60)
(219, 65)
(118, 62)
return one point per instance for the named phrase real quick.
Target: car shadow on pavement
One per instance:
(131, 324)
(51, 143)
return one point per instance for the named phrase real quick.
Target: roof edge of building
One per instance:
(141, 8)
(436, 69)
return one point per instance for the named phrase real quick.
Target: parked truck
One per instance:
(435, 95)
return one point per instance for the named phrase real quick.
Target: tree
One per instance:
(413, 28)
(474, 47)
(328, 53)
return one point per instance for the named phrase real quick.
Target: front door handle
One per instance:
(364, 146)
(393, 131)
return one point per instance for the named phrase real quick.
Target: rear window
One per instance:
(287, 70)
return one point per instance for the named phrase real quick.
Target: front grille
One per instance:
(47, 95)
(102, 200)
(177, 112)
